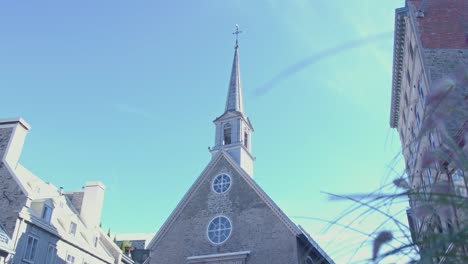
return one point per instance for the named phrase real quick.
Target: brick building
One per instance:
(225, 217)
(429, 109)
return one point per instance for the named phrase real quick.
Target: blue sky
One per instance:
(125, 92)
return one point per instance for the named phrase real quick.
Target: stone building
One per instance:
(429, 109)
(45, 224)
(225, 216)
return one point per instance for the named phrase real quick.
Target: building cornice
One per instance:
(398, 55)
(221, 257)
(8, 121)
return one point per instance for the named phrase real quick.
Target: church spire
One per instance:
(233, 127)
(234, 97)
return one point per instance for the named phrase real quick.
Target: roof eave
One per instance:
(398, 54)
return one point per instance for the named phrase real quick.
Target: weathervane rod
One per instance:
(237, 32)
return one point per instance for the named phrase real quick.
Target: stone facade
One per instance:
(256, 228)
(430, 60)
(12, 197)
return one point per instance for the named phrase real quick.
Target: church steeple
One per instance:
(233, 128)
(234, 96)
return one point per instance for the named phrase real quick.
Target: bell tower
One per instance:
(233, 127)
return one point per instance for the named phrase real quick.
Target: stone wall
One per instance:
(442, 63)
(12, 199)
(445, 67)
(255, 227)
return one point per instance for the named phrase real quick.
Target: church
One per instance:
(225, 217)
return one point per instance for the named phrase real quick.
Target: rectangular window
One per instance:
(408, 76)
(413, 160)
(246, 139)
(411, 51)
(423, 184)
(51, 254)
(429, 176)
(95, 241)
(31, 248)
(46, 213)
(421, 93)
(72, 230)
(227, 135)
(431, 140)
(415, 140)
(70, 259)
(458, 179)
(418, 118)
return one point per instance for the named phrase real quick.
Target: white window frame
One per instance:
(31, 249)
(46, 213)
(208, 230)
(73, 228)
(227, 134)
(222, 183)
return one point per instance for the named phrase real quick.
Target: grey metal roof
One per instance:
(234, 96)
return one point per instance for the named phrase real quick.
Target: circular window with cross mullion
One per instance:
(221, 183)
(219, 229)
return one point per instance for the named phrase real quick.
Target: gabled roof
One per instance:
(222, 154)
(233, 115)
(292, 227)
(64, 212)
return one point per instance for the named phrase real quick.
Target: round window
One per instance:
(219, 229)
(221, 183)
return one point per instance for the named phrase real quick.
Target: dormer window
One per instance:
(46, 213)
(227, 134)
(72, 230)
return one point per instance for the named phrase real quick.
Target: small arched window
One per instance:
(227, 134)
(246, 139)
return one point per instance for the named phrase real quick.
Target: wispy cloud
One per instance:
(301, 65)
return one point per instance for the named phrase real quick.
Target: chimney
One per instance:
(12, 135)
(93, 200)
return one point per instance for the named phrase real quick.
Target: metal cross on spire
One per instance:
(237, 32)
